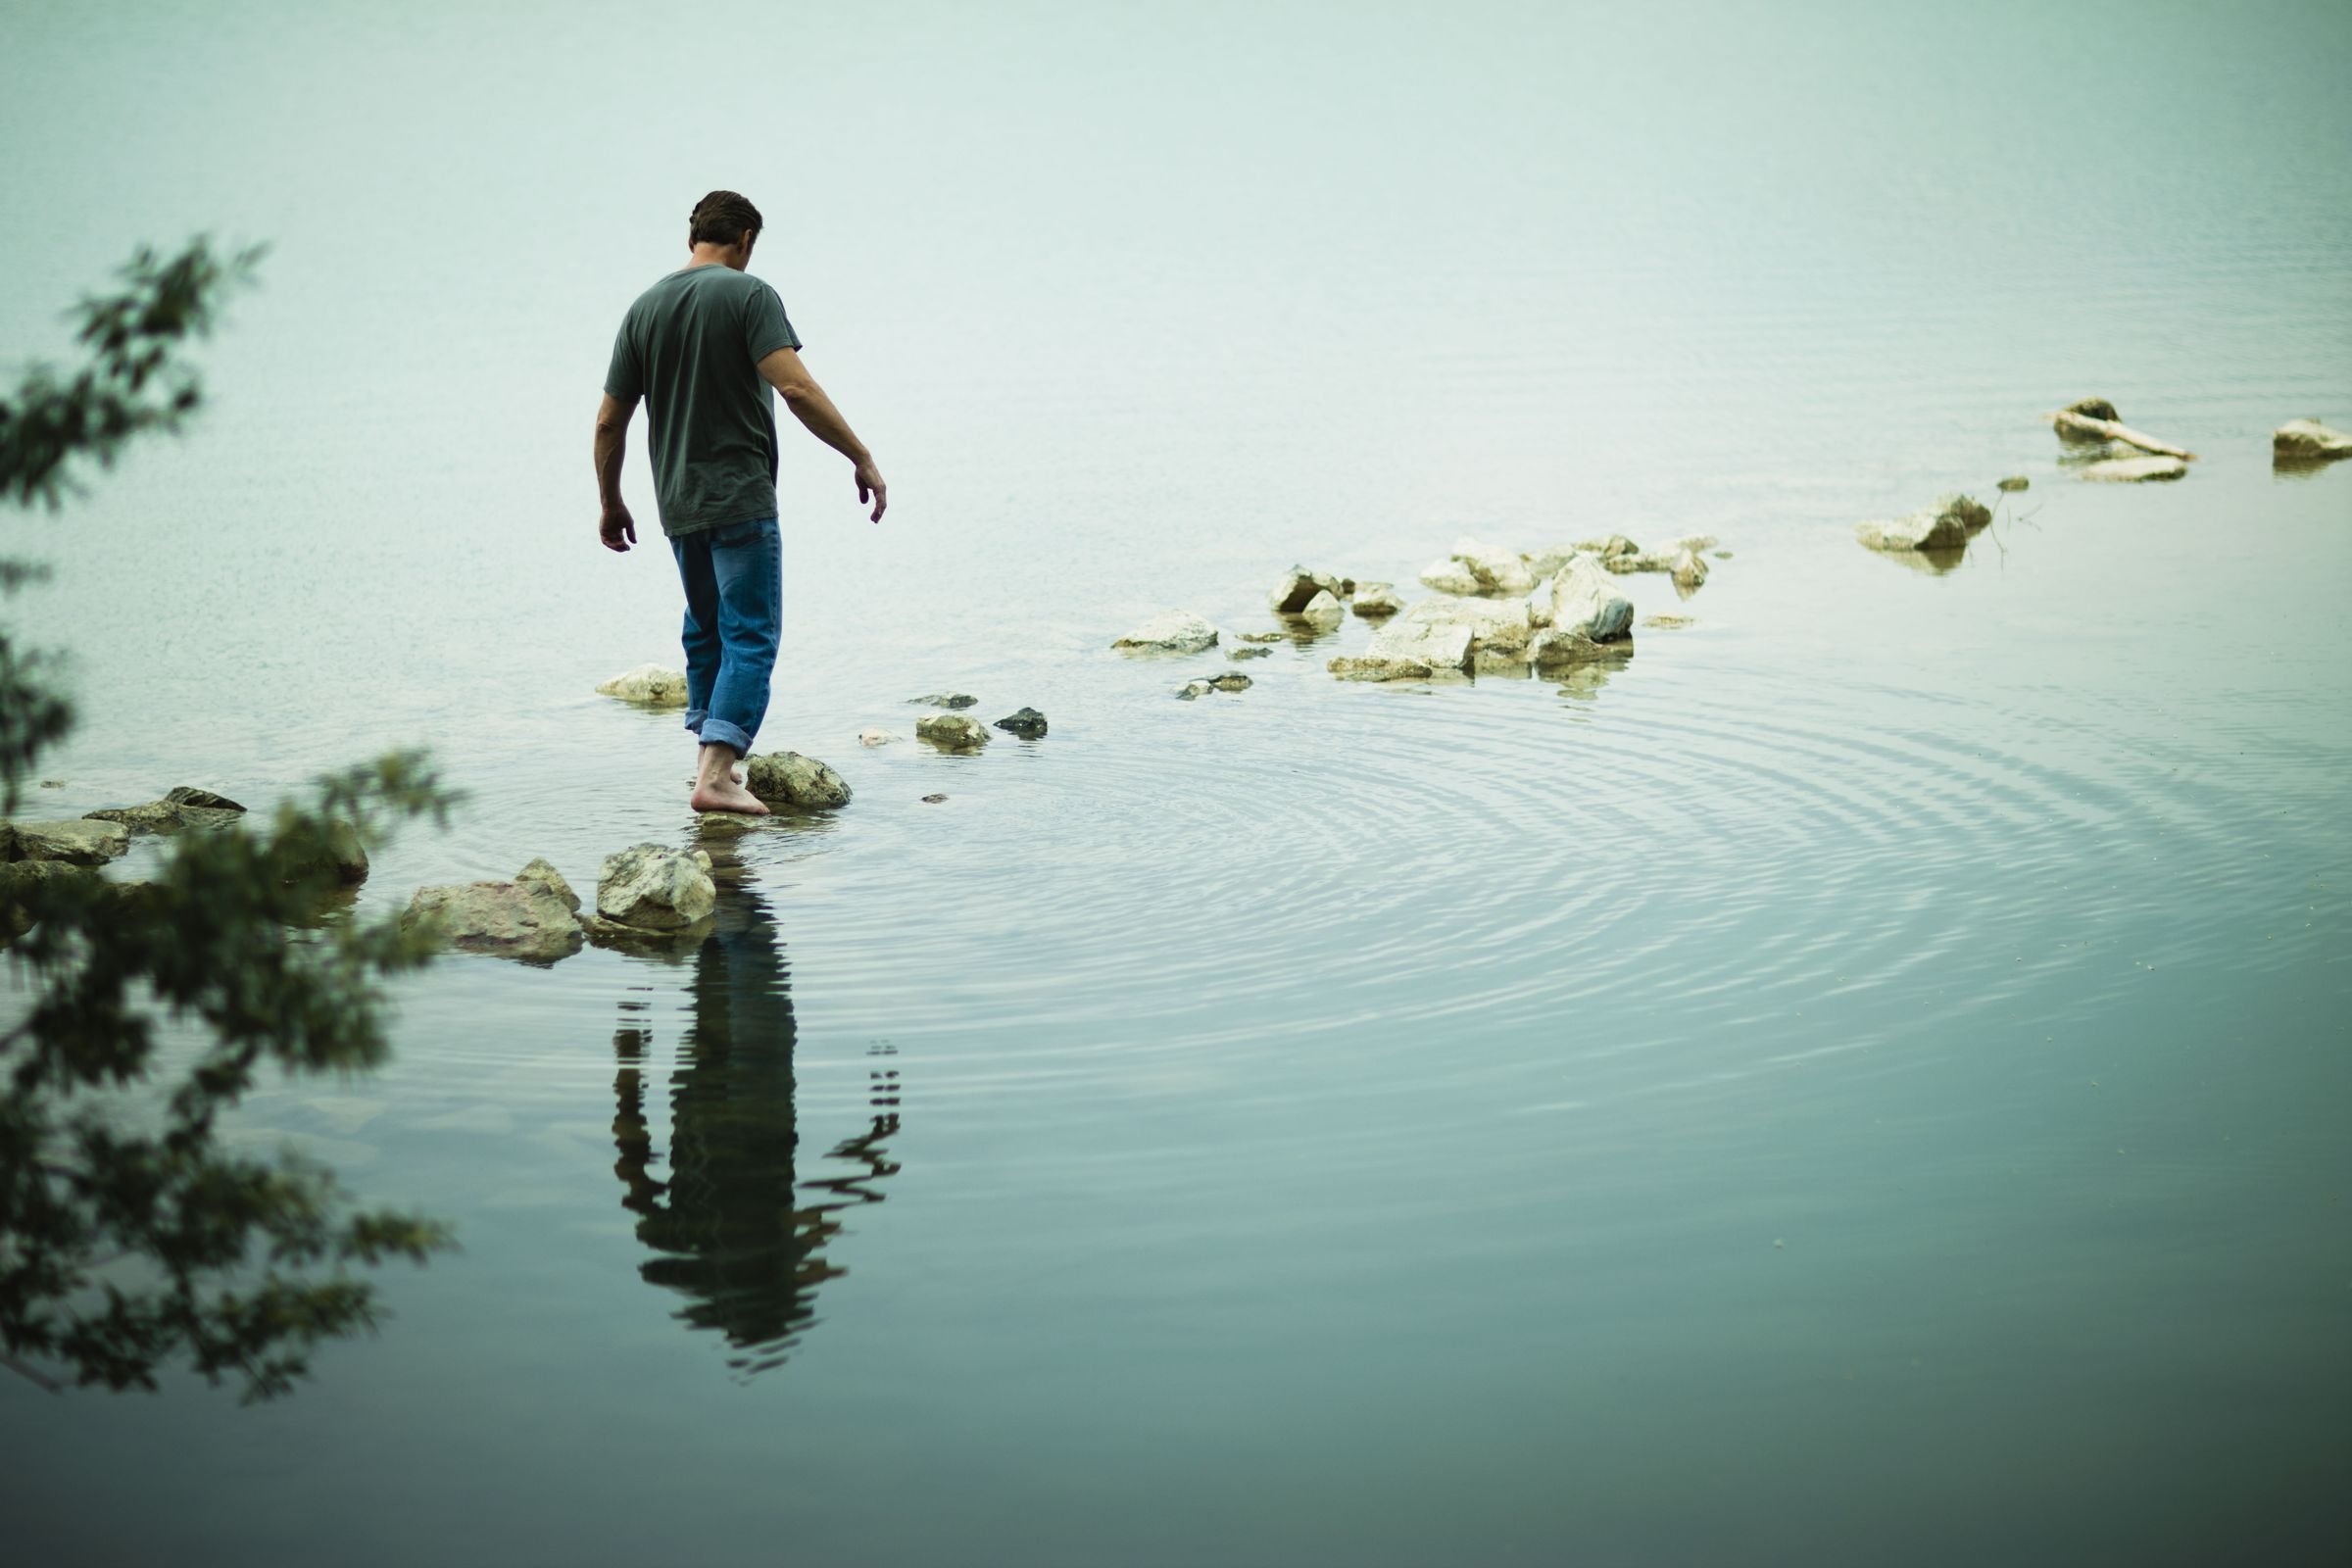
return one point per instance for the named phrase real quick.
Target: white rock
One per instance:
(796, 780)
(655, 889)
(535, 916)
(1547, 561)
(2309, 438)
(1374, 600)
(1945, 526)
(1178, 631)
(1498, 571)
(951, 732)
(1325, 609)
(80, 842)
(1194, 691)
(1297, 587)
(1690, 570)
(1407, 650)
(875, 737)
(1491, 622)
(1450, 576)
(2129, 470)
(1586, 604)
(650, 684)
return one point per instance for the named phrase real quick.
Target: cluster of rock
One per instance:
(950, 732)
(1230, 682)
(645, 893)
(1947, 526)
(1573, 612)
(2309, 441)
(2122, 455)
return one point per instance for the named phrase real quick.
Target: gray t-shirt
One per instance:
(691, 347)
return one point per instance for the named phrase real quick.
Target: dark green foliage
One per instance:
(130, 1238)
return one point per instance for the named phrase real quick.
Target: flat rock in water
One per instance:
(943, 700)
(533, 918)
(1261, 637)
(1028, 723)
(794, 780)
(933, 800)
(652, 888)
(1496, 569)
(1450, 576)
(183, 806)
(1548, 560)
(875, 737)
(1240, 654)
(2130, 470)
(1689, 570)
(648, 684)
(2015, 482)
(1178, 631)
(1324, 610)
(951, 732)
(1409, 650)
(1583, 603)
(1192, 691)
(2309, 438)
(1492, 624)
(1376, 600)
(1230, 682)
(1668, 622)
(1945, 526)
(78, 842)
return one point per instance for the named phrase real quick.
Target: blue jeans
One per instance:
(734, 583)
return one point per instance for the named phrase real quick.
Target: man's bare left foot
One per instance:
(728, 796)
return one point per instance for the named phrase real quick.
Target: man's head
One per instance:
(724, 226)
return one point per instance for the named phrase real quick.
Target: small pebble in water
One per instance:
(933, 800)
(1777, 1243)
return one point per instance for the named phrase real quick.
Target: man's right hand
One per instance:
(872, 487)
(619, 530)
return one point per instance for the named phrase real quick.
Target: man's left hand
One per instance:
(618, 529)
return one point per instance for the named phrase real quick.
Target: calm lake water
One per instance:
(1862, 1082)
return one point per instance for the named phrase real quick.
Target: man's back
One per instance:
(691, 346)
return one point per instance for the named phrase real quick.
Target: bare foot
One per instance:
(729, 796)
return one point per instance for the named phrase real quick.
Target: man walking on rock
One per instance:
(702, 347)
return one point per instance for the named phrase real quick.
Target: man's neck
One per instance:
(709, 255)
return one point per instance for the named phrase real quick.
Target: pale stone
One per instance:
(1231, 681)
(2095, 420)
(943, 700)
(648, 684)
(1668, 622)
(1689, 570)
(1450, 576)
(1492, 624)
(1239, 654)
(2015, 482)
(1357, 666)
(2309, 438)
(1548, 560)
(1178, 631)
(1945, 526)
(652, 888)
(2130, 470)
(951, 732)
(1407, 650)
(76, 843)
(1585, 604)
(875, 737)
(1192, 691)
(1373, 601)
(534, 917)
(543, 876)
(795, 780)
(1324, 608)
(1296, 590)
(1498, 571)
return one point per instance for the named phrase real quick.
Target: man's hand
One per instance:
(869, 484)
(783, 370)
(619, 530)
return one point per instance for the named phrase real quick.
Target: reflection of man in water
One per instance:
(726, 1228)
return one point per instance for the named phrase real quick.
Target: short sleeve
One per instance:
(624, 379)
(765, 327)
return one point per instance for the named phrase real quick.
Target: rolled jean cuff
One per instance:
(717, 731)
(695, 718)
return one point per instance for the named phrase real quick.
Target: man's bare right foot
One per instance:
(728, 796)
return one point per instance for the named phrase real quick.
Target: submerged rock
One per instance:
(1231, 681)
(2015, 482)
(1240, 654)
(943, 700)
(951, 732)
(185, 806)
(1689, 570)
(1407, 650)
(1261, 637)
(876, 737)
(1177, 631)
(1496, 624)
(648, 684)
(1668, 622)
(933, 800)
(1324, 610)
(1450, 576)
(789, 778)
(1496, 569)
(1027, 722)
(78, 842)
(2309, 438)
(1192, 691)
(1376, 600)
(1945, 526)
(652, 888)
(1548, 560)
(2130, 470)
(534, 918)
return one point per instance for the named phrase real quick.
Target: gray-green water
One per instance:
(1863, 1083)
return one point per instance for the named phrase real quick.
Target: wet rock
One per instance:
(1668, 622)
(2132, 471)
(648, 684)
(1378, 600)
(1028, 723)
(1230, 682)
(342, 859)
(943, 700)
(1177, 631)
(1689, 570)
(1945, 526)
(78, 842)
(534, 918)
(1498, 571)
(1697, 543)
(1192, 691)
(1548, 560)
(875, 737)
(1583, 605)
(933, 800)
(2095, 420)
(788, 778)
(1450, 576)
(1262, 637)
(1323, 611)
(1297, 590)
(182, 808)
(1409, 650)
(1500, 624)
(951, 732)
(2309, 438)
(21, 885)
(652, 888)
(2015, 482)
(1240, 654)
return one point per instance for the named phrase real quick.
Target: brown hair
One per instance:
(722, 217)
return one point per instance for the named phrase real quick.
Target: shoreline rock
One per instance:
(791, 779)
(2132, 471)
(1174, 631)
(650, 887)
(950, 732)
(2309, 438)
(75, 841)
(1948, 525)
(534, 918)
(649, 686)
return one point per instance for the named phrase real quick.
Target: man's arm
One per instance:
(808, 403)
(615, 527)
